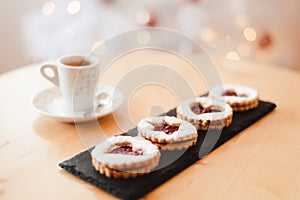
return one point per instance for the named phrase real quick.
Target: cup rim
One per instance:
(92, 60)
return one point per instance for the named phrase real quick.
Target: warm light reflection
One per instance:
(208, 34)
(143, 17)
(241, 20)
(73, 7)
(232, 55)
(250, 34)
(48, 8)
(228, 38)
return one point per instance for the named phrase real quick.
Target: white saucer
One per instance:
(49, 103)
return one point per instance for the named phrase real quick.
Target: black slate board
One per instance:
(81, 166)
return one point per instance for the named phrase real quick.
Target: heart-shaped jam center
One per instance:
(230, 93)
(125, 150)
(198, 109)
(233, 93)
(168, 129)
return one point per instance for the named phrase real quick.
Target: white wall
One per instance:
(13, 53)
(48, 37)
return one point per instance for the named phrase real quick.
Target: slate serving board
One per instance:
(80, 165)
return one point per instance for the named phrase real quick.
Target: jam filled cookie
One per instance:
(125, 157)
(168, 133)
(240, 98)
(205, 112)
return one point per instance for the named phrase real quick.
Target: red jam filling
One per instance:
(125, 150)
(230, 93)
(198, 109)
(166, 128)
(233, 93)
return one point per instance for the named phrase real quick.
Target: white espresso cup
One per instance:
(76, 76)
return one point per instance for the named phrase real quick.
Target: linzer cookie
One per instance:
(168, 133)
(240, 98)
(125, 157)
(205, 113)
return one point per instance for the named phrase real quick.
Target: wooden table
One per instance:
(262, 162)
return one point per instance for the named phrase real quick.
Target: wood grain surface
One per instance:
(263, 162)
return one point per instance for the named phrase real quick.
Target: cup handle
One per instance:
(53, 79)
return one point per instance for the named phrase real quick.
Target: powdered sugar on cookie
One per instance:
(242, 93)
(240, 98)
(165, 129)
(111, 154)
(205, 112)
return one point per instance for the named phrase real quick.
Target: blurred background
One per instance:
(38, 30)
